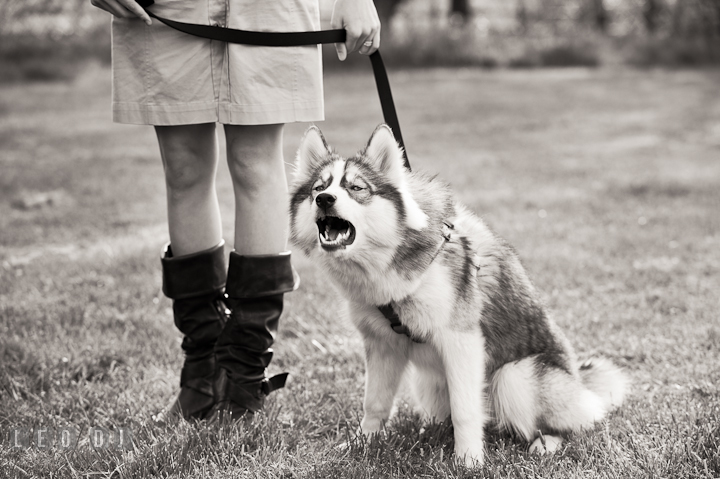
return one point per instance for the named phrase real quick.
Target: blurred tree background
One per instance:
(529, 33)
(53, 39)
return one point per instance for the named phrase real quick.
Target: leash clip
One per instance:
(447, 230)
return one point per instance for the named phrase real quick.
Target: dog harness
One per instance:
(388, 310)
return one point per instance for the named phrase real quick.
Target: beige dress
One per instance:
(165, 77)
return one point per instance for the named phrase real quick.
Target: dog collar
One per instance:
(388, 310)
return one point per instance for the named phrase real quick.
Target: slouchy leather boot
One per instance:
(254, 292)
(196, 283)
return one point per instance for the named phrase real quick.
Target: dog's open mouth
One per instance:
(335, 232)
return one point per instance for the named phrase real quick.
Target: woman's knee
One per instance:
(186, 177)
(255, 157)
(189, 156)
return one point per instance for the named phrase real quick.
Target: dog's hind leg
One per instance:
(546, 444)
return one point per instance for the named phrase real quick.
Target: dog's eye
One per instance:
(319, 188)
(356, 188)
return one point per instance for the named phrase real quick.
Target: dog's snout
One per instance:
(325, 200)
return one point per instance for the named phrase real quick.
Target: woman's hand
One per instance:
(123, 9)
(360, 20)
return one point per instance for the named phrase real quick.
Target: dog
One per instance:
(439, 298)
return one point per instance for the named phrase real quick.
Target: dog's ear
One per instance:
(312, 152)
(383, 152)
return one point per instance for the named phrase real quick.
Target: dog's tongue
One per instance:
(331, 233)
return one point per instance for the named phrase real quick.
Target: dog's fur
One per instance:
(487, 349)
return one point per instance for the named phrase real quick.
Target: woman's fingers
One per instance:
(364, 41)
(353, 40)
(137, 10)
(110, 8)
(371, 43)
(341, 50)
(362, 26)
(123, 9)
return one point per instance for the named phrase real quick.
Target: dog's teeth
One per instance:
(332, 234)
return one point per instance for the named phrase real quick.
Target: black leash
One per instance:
(294, 39)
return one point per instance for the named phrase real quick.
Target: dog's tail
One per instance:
(606, 380)
(527, 395)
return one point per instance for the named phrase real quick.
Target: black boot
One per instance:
(196, 283)
(254, 292)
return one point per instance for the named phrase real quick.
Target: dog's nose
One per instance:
(325, 200)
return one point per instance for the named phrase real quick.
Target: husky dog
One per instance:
(438, 296)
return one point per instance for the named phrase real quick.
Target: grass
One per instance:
(606, 181)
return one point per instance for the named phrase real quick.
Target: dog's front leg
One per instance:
(463, 355)
(385, 360)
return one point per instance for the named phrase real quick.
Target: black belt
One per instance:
(293, 39)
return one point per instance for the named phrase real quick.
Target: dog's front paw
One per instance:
(362, 435)
(470, 456)
(370, 425)
(357, 439)
(546, 445)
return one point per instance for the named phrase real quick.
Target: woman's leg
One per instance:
(257, 168)
(189, 155)
(194, 271)
(259, 272)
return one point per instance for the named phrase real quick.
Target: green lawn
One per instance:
(607, 182)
